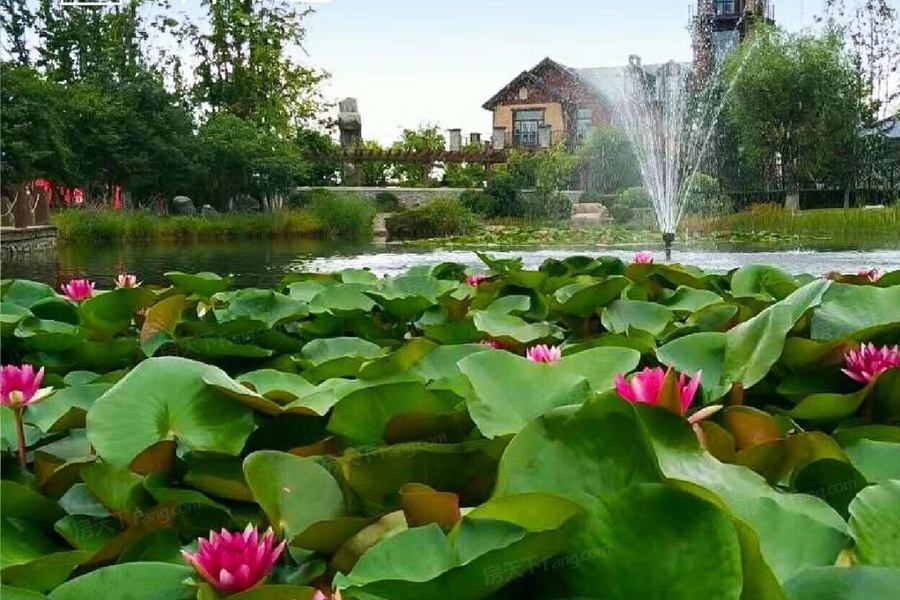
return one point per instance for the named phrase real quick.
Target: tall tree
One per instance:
(245, 65)
(427, 138)
(796, 105)
(872, 28)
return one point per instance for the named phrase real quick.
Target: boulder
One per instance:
(585, 220)
(589, 214)
(183, 206)
(208, 211)
(246, 204)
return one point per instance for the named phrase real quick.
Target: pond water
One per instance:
(264, 263)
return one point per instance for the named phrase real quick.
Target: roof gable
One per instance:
(524, 79)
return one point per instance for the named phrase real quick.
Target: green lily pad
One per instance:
(839, 583)
(203, 284)
(762, 281)
(25, 293)
(283, 486)
(875, 525)
(552, 453)
(130, 581)
(848, 309)
(500, 406)
(164, 399)
(622, 315)
(796, 531)
(267, 306)
(66, 409)
(337, 357)
(584, 299)
(689, 535)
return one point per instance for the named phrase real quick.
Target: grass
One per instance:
(97, 227)
(510, 232)
(823, 224)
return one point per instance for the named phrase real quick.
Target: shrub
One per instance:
(703, 196)
(442, 217)
(343, 215)
(628, 204)
(304, 198)
(387, 202)
(480, 203)
(98, 227)
(505, 193)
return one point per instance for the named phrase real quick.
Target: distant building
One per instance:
(552, 103)
(720, 26)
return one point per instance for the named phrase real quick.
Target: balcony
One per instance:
(533, 140)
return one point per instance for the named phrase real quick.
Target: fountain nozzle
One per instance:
(668, 239)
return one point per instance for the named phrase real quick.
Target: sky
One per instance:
(411, 62)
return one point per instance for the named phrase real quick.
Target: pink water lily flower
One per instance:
(78, 290)
(543, 354)
(644, 258)
(476, 279)
(872, 275)
(21, 386)
(647, 385)
(868, 362)
(127, 281)
(320, 595)
(233, 562)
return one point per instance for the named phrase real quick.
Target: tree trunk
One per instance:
(847, 198)
(792, 200)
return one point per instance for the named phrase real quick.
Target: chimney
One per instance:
(455, 140)
(498, 139)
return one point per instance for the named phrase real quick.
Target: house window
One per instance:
(726, 7)
(526, 124)
(584, 124)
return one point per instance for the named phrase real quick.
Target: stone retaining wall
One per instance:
(15, 242)
(412, 197)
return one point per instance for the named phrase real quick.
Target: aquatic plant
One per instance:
(400, 443)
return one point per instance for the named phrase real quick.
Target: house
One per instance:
(546, 105)
(552, 103)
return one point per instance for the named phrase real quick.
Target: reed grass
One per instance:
(830, 223)
(98, 227)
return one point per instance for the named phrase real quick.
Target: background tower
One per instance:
(719, 26)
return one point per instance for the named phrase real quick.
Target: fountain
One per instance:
(670, 113)
(669, 126)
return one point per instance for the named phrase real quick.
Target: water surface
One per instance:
(264, 263)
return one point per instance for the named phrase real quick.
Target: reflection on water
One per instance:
(264, 263)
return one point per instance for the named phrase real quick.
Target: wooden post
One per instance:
(42, 212)
(23, 208)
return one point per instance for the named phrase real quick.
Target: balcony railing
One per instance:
(532, 140)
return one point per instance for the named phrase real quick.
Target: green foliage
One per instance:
(93, 99)
(797, 96)
(441, 217)
(610, 161)
(356, 415)
(702, 196)
(343, 216)
(466, 175)
(425, 138)
(387, 202)
(483, 204)
(112, 226)
(629, 206)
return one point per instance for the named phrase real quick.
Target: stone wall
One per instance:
(411, 197)
(15, 242)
